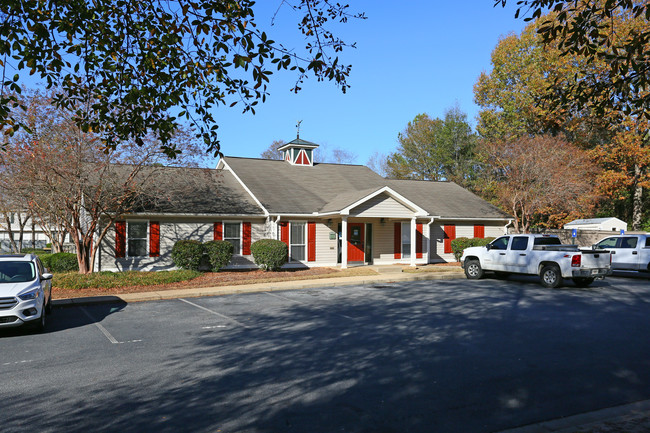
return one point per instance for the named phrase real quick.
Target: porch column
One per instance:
(413, 242)
(344, 242)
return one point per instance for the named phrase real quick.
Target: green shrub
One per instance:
(458, 245)
(63, 262)
(219, 254)
(45, 259)
(269, 254)
(187, 254)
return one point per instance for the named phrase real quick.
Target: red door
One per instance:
(355, 242)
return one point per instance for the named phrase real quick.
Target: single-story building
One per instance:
(327, 214)
(610, 224)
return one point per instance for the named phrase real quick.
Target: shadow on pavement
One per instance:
(476, 357)
(68, 317)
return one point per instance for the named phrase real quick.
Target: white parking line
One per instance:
(307, 305)
(213, 312)
(25, 361)
(100, 327)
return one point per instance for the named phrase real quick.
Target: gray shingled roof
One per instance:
(176, 190)
(446, 199)
(285, 188)
(289, 189)
(345, 199)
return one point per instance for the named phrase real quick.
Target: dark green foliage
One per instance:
(45, 259)
(458, 245)
(153, 58)
(62, 262)
(219, 254)
(269, 254)
(187, 254)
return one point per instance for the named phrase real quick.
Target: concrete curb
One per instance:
(260, 287)
(585, 420)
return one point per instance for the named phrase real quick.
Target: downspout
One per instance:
(505, 228)
(277, 221)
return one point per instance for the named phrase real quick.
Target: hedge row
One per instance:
(191, 254)
(60, 262)
(269, 254)
(458, 245)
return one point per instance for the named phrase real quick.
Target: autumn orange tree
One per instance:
(612, 31)
(534, 177)
(517, 100)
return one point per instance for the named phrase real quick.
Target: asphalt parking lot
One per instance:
(443, 356)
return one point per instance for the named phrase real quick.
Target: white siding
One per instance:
(325, 247)
(171, 231)
(381, 206)
(463, 229)
(383, 243)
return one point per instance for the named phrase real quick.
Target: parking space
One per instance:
(445, 356)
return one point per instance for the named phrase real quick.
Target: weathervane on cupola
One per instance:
(299, 152)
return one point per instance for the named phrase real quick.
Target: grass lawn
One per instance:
(72, 285)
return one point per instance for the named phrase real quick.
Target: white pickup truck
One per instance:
(541, 255)
(630, 252)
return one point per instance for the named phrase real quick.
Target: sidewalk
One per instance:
(630, 418)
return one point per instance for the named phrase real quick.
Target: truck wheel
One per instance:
(473, 270)
(583, 281)
(550, 276)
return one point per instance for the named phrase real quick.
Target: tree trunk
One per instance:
(637, 199)
(83, 255)
(10, 232)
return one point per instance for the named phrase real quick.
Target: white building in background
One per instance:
(610, 224)
(33, 234)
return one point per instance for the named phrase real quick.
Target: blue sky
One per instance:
(418, 57)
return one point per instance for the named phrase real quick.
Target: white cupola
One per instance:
(299, 152)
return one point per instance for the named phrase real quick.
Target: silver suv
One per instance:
(25, 291)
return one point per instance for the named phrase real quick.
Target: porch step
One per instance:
(387, 269)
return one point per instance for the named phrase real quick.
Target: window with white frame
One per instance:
(406, 240)
(232, 234)
(297, 241)
(136, 238)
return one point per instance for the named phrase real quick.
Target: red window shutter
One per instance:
(450, 235)
(154, 239)
(418, 241)
(479, 230)
(397, 241)
(284, 232)
(120, 238)
(218, 232)
(246, 247)
(311, 241)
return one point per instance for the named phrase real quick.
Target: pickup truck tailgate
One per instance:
(595, 259)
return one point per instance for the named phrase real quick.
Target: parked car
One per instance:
(542, 255)
(631, 252)
(25, 291)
